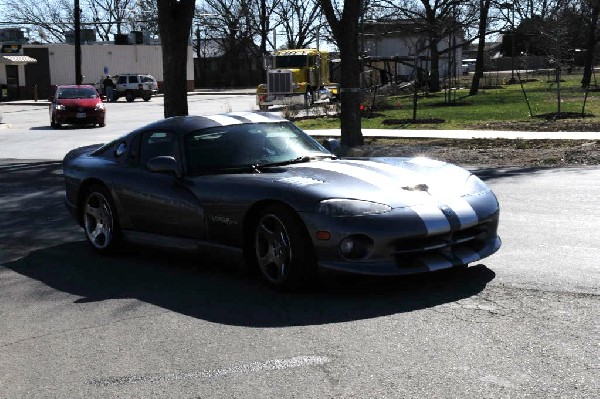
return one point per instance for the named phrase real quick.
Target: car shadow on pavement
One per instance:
(495, 173)
(212, 290)
(65, 127)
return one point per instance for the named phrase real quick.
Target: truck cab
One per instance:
(298, 76)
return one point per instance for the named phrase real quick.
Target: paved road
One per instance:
(524, 323)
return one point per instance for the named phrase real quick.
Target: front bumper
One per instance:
(280, 99)
(72, 208)
(84, 117)
(405, 241)
(459, 256)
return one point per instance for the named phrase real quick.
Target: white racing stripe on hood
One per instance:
(409, 177)
(364, 174)
(224, 120)
(434, 219)
(463, 210)
(459, 205)
(252, 117)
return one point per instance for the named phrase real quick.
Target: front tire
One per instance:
(147, 97)
(282, 249)
(55, 124)
(100, 220)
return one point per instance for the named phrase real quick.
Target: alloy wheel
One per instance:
(273, 249)
(98, 220)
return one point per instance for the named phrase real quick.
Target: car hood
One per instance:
(397, 182)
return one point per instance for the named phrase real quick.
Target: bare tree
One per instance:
(265, 23)
(344, 26)
(145, 16)
(592, 9)
(438, 20)
(482, 30)
(232, 28)
(174, 23)
(109, 14)
(51, 17)
(300, 20)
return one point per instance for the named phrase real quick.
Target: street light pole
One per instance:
(512, 52)
(511, 6)
(78, 76)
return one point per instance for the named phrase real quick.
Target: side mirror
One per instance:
(332, 145)
(164, 164)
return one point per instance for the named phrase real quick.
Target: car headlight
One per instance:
(59, 107)
(350, 207)
(475, 186)
(99, 106)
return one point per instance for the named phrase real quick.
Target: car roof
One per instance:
(75, 86)
(188, 123)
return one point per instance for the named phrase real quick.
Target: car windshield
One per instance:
(290, 61)
(148, 79)
(249, 146)
(79, 92)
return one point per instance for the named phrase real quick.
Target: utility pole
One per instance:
(78, 76)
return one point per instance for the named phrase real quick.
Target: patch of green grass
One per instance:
(504, 104)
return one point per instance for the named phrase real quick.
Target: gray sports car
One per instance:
(256, 184)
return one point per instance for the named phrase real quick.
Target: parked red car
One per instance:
(76, 105)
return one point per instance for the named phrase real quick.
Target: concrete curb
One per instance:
(463, 134)
(215, 92)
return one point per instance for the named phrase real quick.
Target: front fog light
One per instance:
(346, 246)
(356, 247)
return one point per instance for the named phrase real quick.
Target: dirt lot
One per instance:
(490, 152)
(501, 152)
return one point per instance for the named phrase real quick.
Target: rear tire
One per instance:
(129, 96)
(100, 222)
(282, 250)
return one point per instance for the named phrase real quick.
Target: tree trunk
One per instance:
(588, 62)
(174, 24)
(345, 33)
(350, 96)
(264, 27)
(484, 7)
(434, 76)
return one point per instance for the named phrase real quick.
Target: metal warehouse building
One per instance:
(29, 71)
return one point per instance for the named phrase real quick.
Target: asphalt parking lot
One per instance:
(522, 323)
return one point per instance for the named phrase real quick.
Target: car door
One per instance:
(158, 203)
(121, 84)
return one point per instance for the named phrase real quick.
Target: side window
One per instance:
(158, 143)
(133, 79)
(122, 80)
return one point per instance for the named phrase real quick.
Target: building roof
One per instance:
(16, 59)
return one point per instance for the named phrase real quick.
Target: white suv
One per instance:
(133, 85)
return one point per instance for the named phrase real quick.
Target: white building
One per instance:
(397, 44)
(48, 65)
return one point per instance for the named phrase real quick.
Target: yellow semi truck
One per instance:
(298, 76)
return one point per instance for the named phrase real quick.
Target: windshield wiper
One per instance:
(301, 159)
